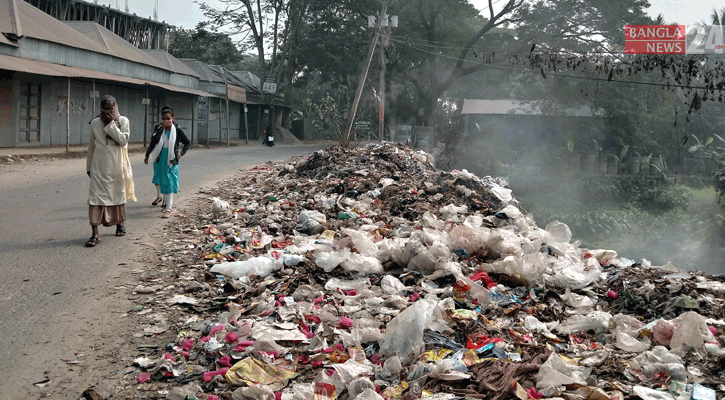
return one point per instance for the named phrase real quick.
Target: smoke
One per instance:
(642, 217)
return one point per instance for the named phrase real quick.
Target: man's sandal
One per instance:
(157, 201)
(92, 241)
(120, 230)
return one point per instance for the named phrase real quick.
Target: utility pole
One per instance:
(383, 43)
(364, 74)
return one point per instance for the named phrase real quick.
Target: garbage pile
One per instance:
(366, 274)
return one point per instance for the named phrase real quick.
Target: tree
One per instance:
(205, 46)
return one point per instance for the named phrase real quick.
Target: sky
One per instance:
(186, 14)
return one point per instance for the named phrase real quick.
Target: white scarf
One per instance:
(171, 140)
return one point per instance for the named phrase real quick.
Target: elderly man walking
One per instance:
(109, 169)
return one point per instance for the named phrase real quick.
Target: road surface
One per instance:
(56, 296)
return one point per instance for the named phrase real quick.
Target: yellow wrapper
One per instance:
(434, 355)
(251, 371)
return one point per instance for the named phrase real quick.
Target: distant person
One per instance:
(157, 127)
(166, 151)
(109, 169)
(268, 136)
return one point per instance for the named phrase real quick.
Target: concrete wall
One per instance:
(7, 115)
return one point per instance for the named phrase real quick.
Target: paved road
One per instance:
(48, 277)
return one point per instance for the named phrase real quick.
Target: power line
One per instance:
(560, 74)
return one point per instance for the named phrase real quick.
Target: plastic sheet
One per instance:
(557, 372)
(404, 333)
(260, 266)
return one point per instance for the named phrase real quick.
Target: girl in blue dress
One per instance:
(168, 144)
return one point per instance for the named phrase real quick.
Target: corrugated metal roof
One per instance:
(251, 81)
(171, 63)
(45, 68)
(113, 44)
(516, 107)
(203, 70)
(22, 19)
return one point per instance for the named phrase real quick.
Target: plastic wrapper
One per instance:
(259, 266)
(660, 360)
(469, 239)
(451, 211)
(181, 393)
(577, 300)
(308, 219)
(571, 272)
(645, 393)
(219, 206)
(557, 372)
(251, 371)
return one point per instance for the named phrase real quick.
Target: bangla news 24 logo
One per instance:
(674, 39)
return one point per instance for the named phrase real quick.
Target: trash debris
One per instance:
(366, 274)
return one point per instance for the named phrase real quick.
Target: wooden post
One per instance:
(381, 123)
(67, 120)
(145, 118)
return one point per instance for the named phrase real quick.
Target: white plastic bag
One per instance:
(451, 211)
(259, 266)
(469, 239)
(256, 392)
(391, 284)
(328, 260)
(557, 372)
(659, 359)
(404, 333)
(360, 263)
(359, 385)
(219, 206)
(308, 219)
(351, 370)
(334, 284)
(691, 331)
(431, 259)
(594, 320)
(628, 343)
(363, 244)
(369, 394)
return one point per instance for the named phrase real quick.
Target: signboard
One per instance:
(95, 95)
(362, 126)
(236, 93)
(146, 101)
(270, 85)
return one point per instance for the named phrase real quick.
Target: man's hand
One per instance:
(146, 161)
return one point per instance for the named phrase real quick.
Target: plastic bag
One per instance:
(391, 284)
(404, 333)
(577, 300)
(369, 394)
(359, 385)
(571, 272)
(645, 393)
(181, 393)
(692, 331)
(335, 283)
(360, 263)
(594, 320)
(259, 266)
(363, 244)
(351, 370)
(662, 332)
(256, 392)
(328, 260)
(430, 259)
(557, 372)
(308, 219)
(468, 238)
(628, 343)
(451, 211)
(219, 206)
(660, 360)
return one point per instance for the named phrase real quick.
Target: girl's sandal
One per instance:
(92, 241)
(167, 214)
(157, 201)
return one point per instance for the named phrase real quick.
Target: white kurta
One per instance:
(104, 162)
